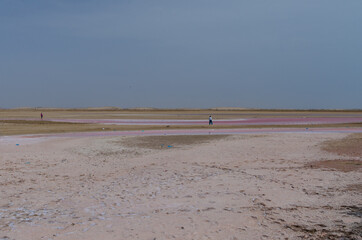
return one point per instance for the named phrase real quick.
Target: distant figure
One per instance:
(210, 120)
(41, 116)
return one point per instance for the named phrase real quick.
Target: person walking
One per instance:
(41, 116)
(210, 120)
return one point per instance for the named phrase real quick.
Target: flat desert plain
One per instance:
(280, 185)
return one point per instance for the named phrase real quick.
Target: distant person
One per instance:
(41, 116)
(210, 120)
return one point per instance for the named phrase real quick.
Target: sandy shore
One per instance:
(261, 186)
(27, 121)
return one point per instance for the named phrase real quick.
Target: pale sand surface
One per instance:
(262, 186)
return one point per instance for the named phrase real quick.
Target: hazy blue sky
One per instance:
(181, 53)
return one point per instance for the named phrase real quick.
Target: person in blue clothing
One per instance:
(210, 120)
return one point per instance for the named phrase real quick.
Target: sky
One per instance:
(181, 54)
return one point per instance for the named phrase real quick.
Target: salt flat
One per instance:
(249, 186)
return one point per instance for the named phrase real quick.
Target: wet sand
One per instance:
(27, 121)
(249, 186)
(234, 122)
(190, 114)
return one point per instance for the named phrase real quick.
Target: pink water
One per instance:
(249, 121)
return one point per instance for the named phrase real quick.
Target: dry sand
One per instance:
(271, 186)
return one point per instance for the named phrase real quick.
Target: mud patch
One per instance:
(167, 142)
(349, 146)
(339, 230)
(355, 188)
(353, 210)
(338, 165)
(320, 233)
(109, 153)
